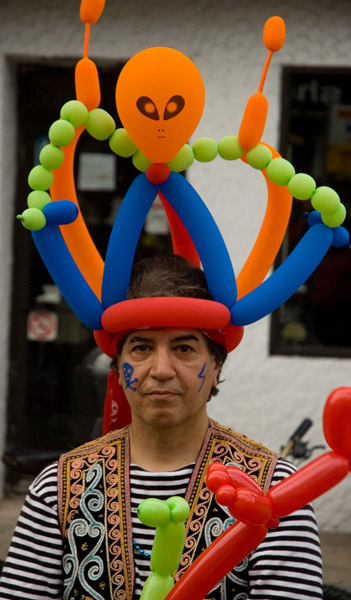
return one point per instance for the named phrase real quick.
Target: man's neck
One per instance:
(168, 448)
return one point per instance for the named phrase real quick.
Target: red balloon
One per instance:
(216, 479)
(240, 479)
(248, 507)
(337, 420)
(217, 560)
(308, 483)
(216, 467)
(225, 495)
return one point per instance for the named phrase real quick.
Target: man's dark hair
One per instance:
(172, 275)
(169, 275)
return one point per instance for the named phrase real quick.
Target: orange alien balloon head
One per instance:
(160, 97)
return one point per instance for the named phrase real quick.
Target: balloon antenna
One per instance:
(255, 114)
(273, 39)
(86, 74)
(90, 13)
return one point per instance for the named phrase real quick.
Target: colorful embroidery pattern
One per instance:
(94, 492)
(90, 567)
(108, 456)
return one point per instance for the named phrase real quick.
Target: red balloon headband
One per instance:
(213, 318)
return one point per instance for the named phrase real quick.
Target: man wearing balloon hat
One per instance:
(167, 326)
(79, 531)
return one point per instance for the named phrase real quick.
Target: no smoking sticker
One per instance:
(42, 326)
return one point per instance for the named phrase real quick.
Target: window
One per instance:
(316, 139)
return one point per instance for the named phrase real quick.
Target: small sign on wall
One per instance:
(42, 326)
(97, 172)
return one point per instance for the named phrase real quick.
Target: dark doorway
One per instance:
(54, 393)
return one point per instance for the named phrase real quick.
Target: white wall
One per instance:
(263, 396)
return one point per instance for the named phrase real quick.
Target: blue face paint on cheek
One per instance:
(202, 376)
(128, 371)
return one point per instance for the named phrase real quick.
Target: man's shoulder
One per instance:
(97, 445)
(240, 438)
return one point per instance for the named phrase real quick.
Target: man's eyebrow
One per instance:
(186, 338)
(138, 338)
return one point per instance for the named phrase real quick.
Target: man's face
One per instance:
(167, 375)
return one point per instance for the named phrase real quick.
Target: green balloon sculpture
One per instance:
(168, 517)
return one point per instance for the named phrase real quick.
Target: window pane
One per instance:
(316, 139)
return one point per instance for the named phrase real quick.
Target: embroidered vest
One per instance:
(95, 515)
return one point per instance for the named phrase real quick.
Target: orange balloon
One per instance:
(160, 97)
(270, 237)
(90, 10)
(87, 83)
(76, 235)
(253, 121)
(274, 34)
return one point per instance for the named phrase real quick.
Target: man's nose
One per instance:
(162, 364)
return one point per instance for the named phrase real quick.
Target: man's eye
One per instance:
(141, 348)
(184, 348)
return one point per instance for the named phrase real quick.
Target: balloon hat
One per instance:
(160, 98)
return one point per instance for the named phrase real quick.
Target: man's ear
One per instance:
(217, 368)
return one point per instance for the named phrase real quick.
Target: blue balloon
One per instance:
(341, 237)
(68, 278)
(206, 236)
(124, 238)
(60, 212)
(313, 218)
(291, 274)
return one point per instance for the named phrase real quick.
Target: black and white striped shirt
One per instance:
(287, 564)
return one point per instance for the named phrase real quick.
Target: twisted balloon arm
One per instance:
(257, 512)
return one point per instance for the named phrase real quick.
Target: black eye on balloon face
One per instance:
(173, 107)
(147, 108)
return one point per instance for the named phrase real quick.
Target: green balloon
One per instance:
(40, 178)
(38, 199)
(301, 186)
(122, 144)
(51, 157)
(61, 133)
(205, 149)
(140, 161)
(168, 547)
(325, 200)
(32, 219)
(75, 112)
(335, 219)
(229, 147)
(259, 157)
(168, 517)
(182, 160)
(280, 171)
(154, 512)
(179, 507)
(100, 124)
(157, 587)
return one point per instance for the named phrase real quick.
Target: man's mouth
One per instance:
(162, 393)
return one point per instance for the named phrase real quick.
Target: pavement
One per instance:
(336, 547)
